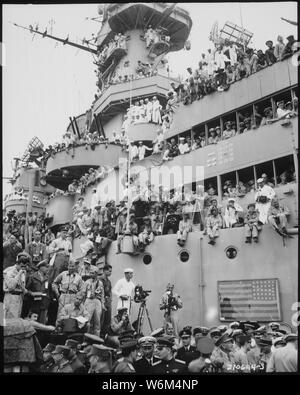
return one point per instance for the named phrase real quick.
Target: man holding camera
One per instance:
(119, 324)
(263, 198)
(14, 286)
(10, 250)
(124, 289)
(171, 303)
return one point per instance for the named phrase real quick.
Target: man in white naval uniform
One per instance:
(263, 198)
(124, 289)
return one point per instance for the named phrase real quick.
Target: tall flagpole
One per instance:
(128, 168)
(240, 7)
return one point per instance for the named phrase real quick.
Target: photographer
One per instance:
(171, 303)
(263, 198)
(120, 324)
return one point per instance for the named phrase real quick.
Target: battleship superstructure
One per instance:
(199, 271)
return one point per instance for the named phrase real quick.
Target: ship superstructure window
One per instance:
(199, 137)
(229, 183)
(285, 170)
(246, 181)
(245, 119)
(214, 131)
(266, 170)
(211, 185)
(285, 96)
(229, 126)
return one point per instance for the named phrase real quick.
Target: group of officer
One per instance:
(241, 347)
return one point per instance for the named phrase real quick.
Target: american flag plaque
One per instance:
(255, 300)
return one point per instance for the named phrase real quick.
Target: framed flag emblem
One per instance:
(254, 300)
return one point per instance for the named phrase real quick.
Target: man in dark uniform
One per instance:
(75, 362)
(106, 315)
(167, 364)
(49, 363)
(205, 346)
(62, 364)
(100, 358)
(143, 365)
(86, 346)
(187, 353)
(129, 353)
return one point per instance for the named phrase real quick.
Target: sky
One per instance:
(44, 83)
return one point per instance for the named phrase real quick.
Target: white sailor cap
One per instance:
(128, 270)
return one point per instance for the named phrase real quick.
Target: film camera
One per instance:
(262, 199)
(140, 294)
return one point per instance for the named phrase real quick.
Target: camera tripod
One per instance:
(141, 315)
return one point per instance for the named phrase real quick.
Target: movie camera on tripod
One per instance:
(140, 294)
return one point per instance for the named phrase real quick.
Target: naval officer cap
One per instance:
(157, 332)
(49, 348)
(225, 338)
(92, 339)
(279, 341)
(129, 344)
(274, 325)
(99, 350)
(165, 341)
(214, 331)
(237, 332)
(291, 337)
(261, 329)
(146, 340)
(185, 333)
(61, 350)
(128, 270)
(222, 328)
(264, 342)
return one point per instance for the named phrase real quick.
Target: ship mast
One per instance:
(63, 41)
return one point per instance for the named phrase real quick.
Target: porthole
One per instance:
(147, 259)
(231, 252)
(184, 256)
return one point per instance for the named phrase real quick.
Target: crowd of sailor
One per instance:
(158, 211)
(119, 41)
(228, 62)
(154, 36)
(14, 225)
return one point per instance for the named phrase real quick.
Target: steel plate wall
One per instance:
(99, 157)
